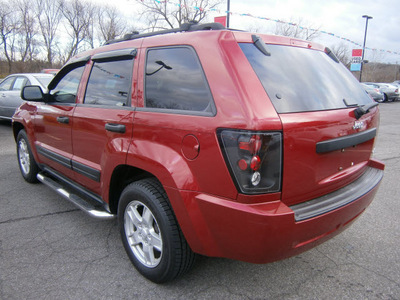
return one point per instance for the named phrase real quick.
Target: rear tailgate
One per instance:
(326, 146)
(324, 151)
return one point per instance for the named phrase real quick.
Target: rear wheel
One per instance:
(385, 98)
(150, 233)
(26, 161)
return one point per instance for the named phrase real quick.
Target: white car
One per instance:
(10, 90)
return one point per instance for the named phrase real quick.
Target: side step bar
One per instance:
(91, 210)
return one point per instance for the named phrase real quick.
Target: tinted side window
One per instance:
(109, 83)
(175, 80)
(66, 89)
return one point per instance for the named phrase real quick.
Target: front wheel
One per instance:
(150, 233)
(26, 161)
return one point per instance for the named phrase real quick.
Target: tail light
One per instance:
(254, 159)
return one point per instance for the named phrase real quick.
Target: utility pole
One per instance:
(228, 12)
(365, 38)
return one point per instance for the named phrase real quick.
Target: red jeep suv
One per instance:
(205, 140)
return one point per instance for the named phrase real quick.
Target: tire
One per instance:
(385, 98)
(27, 164)
(150, 233)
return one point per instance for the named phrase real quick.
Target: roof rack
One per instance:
(192, 26)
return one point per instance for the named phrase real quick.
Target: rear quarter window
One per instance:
(175, 82)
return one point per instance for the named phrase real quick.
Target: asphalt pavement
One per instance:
(51, 250)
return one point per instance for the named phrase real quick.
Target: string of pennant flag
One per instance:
(272, 20)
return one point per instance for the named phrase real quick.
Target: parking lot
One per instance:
(51, 250)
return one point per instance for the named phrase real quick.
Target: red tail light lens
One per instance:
(254, 159)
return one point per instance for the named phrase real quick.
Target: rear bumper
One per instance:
(267, 232)
(337, 199)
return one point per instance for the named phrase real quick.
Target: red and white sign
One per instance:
(356, 60)
(356, 52)
(221, 20)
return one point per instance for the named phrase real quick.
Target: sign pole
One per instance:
(228, 12)
(365, 38)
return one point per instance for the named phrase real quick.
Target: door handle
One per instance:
(115, 128)
(63, 120)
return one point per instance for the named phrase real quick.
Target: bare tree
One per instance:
(92, 11)
(110, 22)
(49, 17)
(162, 14)
(8, 31)
(297, 29)
(27, 30)
(380, 72)
(342, 52)
(79, 19)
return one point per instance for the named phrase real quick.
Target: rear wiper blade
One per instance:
(362, 110)
(350, 103)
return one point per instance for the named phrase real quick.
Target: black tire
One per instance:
(156, 246)
(26, 161)
(385, 98)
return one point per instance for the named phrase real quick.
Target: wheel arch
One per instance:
(17, 127)
(122, 176)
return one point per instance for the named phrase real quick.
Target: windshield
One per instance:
(298, 79)
(44, 80)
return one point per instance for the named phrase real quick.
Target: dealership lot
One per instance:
(51, 250)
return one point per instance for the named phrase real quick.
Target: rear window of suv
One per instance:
(299, 79)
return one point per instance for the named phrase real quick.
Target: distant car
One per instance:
(390, 92)
(396, 83)
(10, 90)
(374, 92)
(50, 71)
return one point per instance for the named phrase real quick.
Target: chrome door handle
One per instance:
(115, 128)
(63, 120)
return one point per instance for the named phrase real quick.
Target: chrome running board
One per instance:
(81, 203)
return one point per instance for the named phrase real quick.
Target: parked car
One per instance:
(374, 91)
(10, 90)
(205, 140)
(50, 71)
(390, 92)
(396, 83)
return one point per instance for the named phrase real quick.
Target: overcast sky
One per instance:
(341, 17)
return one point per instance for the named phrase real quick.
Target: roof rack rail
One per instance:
(192, 26)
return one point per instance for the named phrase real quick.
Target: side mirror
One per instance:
(32, 93)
